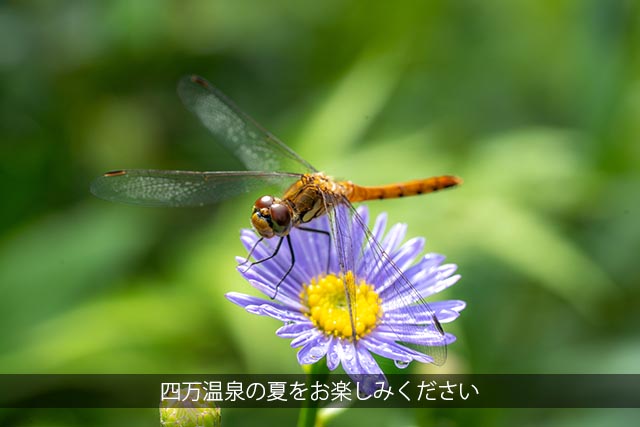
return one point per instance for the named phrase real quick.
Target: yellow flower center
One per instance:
(326, 298)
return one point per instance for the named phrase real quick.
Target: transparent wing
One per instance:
(148, 187)
(408, 320)
(253, 145)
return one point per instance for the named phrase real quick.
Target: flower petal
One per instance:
(394, 237)
(316, 247)
(292, 330)
(266, 276)
(449, 310)
(378, 228)
(265, 308)
(333, 354)
(356, 362)
(445, 311)
(384, 274)
(414, 334)
(314, 350)
(360, 365)
(418, 284)
(391, 350)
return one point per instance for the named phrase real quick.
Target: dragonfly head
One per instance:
(271, 217)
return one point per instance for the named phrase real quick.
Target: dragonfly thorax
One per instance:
(271, 217)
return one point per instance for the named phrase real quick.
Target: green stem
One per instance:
(309, 412)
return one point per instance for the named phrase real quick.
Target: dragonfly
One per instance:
(307, 194)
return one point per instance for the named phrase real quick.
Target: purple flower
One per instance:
(390, 321)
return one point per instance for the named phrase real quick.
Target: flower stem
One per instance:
(309, 412)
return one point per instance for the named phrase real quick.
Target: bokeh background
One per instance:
(536, 104)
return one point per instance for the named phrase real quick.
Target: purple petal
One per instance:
(432, 260)
(412, 334)
(363, 211)
(314, 246)
(248, 238)
(358, 229)
(333, 354)
(407, 253)
(417, 284)
(409, 315)
(445, 311)
(356, 362)
(449, 310)
(427, 264)
(265, 308)
(305, 337)
(439, 285)
(314, 350)
(389, 267)
(392, 350)
(265, 278)
(346, 354)
(379, 227)
(292, 330)
(244, 300)
(360, 365)
(394, 237)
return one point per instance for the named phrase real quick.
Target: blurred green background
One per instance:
(536, 104)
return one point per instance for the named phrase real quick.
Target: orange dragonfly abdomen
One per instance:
(357, 193)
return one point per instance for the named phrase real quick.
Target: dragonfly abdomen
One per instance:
(357, 193)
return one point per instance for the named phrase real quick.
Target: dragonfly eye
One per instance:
(263, 202)
(281, 218)
(271, 217)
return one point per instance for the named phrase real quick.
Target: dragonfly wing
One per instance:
(346, 248)
(147, 187)
(253, 145)
(407, 317)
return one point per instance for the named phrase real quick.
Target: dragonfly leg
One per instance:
(260, 261)
(275, 252)
(293, 261)
(253, 248)
(326, 233)
(291, 251)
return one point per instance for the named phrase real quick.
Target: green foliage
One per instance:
(534, 103)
